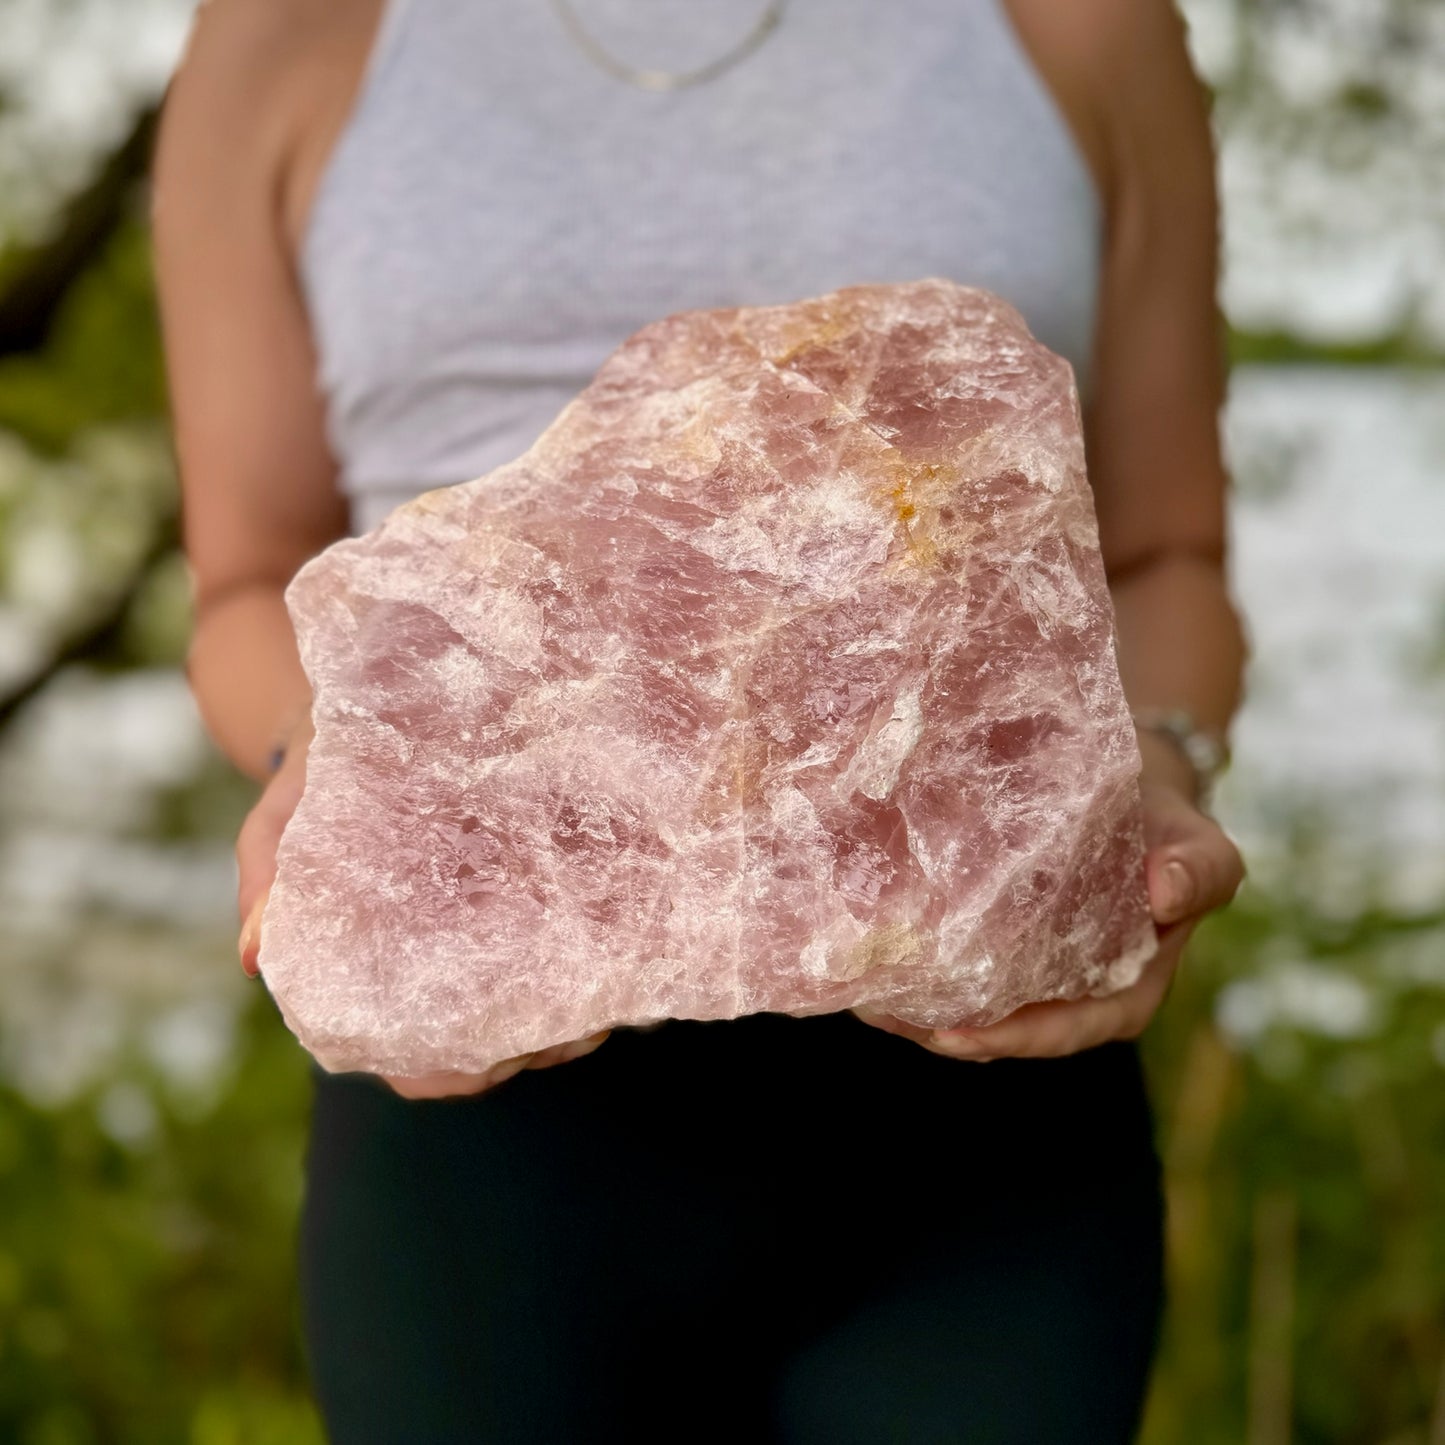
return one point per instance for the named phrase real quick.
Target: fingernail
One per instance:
(1178, 889)
(248, 951)
(250, 943)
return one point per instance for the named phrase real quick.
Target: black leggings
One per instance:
(763, 1230)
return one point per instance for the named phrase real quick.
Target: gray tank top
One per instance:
(499, 214)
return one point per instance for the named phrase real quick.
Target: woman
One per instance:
(392, 240)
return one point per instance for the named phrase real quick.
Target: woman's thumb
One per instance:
(1193, 874)
(1173, 885)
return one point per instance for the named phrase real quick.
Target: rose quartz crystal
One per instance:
(778, 675)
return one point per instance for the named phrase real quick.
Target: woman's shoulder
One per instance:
(262, 88)
(1120, 71)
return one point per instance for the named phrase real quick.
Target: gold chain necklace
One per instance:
(667, 79)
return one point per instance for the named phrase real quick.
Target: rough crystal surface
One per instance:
(778, 675)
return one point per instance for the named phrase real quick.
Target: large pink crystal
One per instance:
(778, 675)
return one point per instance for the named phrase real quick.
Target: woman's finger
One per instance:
(1051, 1030)
(1191, 864)
(256, 846)
(260, 834)
(449, 1083)
(1198, 869)
(1035, 1031)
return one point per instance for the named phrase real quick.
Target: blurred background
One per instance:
(151, 1102)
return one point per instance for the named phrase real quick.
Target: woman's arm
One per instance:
(1120, 70)
(1152, 436)
(1152, 424)
(258, 482)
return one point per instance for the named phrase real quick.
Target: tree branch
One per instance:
(39, 280)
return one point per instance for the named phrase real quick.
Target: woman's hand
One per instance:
(256, 860)
(1191, 868)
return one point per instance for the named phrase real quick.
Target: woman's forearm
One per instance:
(1181, 645)
(246, 675)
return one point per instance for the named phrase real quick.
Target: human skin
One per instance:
(258, 101)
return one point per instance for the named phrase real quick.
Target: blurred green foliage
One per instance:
(1282, 348)
(1306, 1189)
(146, 1285)
(102, 362)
